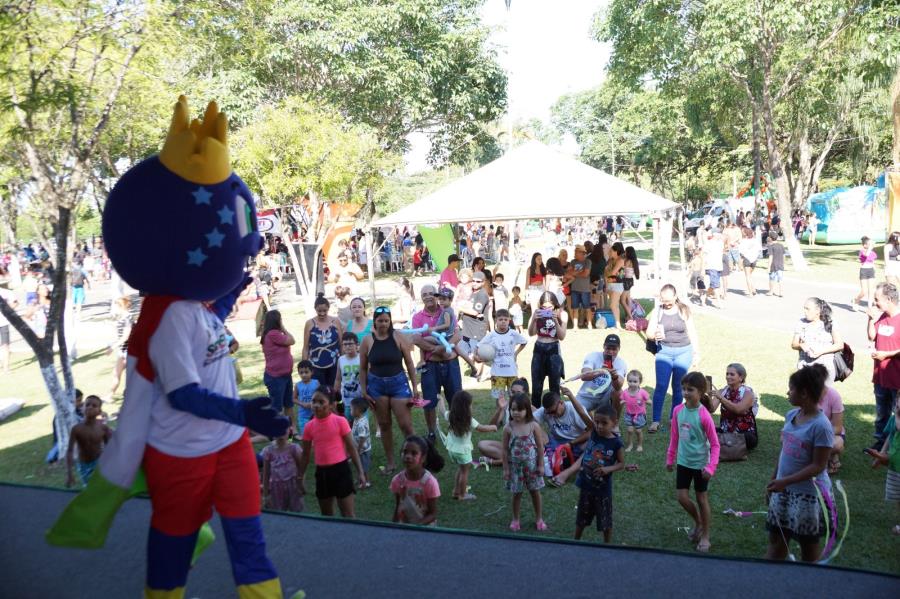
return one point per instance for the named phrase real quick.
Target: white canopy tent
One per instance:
(534, 181)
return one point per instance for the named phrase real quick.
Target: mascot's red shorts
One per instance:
(183, 491)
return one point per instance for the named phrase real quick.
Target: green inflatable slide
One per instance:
(439, 239)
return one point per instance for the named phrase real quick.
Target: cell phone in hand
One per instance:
(709, 384)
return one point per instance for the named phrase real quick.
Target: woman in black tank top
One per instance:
(383, 382)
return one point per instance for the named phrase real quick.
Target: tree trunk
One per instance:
(895, 102)
(776, 171)
(9, 214)
(757, 156)
(63, 404)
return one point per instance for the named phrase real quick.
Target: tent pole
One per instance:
(371, 266)
(680, 218)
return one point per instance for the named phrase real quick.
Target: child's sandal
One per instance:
(541, 525)
(515, 526)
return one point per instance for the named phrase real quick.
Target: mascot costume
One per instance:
(181, 227)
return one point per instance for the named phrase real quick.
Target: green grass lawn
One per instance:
(645, 510)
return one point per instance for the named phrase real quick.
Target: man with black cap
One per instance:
(589, 396)
(474, 317)
(449, 278)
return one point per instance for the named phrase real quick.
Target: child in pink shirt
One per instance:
(415, 488)
(328, 435)
(635, 400)
(694, 445)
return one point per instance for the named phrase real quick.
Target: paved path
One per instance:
(95, 330)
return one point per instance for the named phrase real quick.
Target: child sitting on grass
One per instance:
(459, 440)
(602, 456)
(90, 436)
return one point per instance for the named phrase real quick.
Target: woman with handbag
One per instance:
(739, 405)
(677, 350)
(815, 339)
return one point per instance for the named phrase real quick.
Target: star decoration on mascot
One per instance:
(180, 227)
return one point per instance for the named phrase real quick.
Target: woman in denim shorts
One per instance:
(383, 382)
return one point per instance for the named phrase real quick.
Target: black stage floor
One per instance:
(334, 558)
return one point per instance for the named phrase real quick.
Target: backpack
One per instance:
(843, 363)
(78, 277)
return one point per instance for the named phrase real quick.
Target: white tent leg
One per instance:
(371, 265)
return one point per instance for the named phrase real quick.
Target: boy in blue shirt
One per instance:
(303, 392)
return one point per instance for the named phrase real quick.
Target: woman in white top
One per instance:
(749, 248)
(892, 259)
(814, 337)
(406, 303)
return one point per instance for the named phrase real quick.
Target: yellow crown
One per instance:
(196, 151)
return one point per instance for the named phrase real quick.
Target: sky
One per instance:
(546, 49)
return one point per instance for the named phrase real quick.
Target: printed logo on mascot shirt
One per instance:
(217, 344)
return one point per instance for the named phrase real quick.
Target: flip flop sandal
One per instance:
(515, 526)
(387, 471)
(541, 525)
(468, 497)
(703, 547)
(554, 483)
(653, 428)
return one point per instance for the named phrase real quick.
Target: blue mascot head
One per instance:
(182, 223)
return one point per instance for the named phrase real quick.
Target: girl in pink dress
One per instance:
(281, 482)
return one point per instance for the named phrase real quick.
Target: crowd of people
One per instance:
(355, 358)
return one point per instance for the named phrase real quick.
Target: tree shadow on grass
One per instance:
(24, 464)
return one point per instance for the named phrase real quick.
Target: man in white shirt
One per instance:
(568, 424)
(345, 272)
(589, 396)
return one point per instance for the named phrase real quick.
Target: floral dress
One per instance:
(283, 492)
(324, 346)
(737, 423)
(523, 467)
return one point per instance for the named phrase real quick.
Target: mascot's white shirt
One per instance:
(189, 346)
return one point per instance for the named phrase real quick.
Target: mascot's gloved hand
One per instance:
(263, 419)
(222, 306)
(254, 414)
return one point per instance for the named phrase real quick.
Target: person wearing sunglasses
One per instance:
(382, 381)
(673, 328)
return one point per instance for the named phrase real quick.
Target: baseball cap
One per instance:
(453, 258)
(612, 340)
(580, 248)
(446, 292)
(477, 276)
